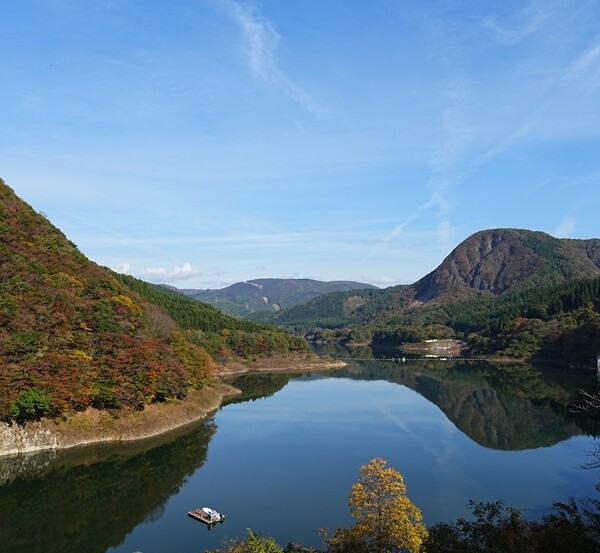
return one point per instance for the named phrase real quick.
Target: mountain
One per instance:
(487, 264)
(74, 334)
(502, 260)
(259, 298)
(504, 291)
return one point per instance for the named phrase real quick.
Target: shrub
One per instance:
(32, 404)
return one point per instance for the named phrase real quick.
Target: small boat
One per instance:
(207, 515)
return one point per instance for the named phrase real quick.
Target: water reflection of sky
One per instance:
(284, 465)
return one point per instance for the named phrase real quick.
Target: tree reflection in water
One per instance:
(89, 499)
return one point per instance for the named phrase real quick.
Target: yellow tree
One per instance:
(386, 520)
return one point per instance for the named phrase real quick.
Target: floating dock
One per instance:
(206, 515)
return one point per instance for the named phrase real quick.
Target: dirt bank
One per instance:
(95, 426)
(280, 364)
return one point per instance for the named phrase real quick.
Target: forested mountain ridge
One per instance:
(502, 260)
(74, 334)
(339, 309)
(258, 298)
(218, 333)
(489, 263)
(510, 292)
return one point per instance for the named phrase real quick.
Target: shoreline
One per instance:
(101, 427)
(280, 364)
(98, 427)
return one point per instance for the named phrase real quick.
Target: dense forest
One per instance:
(74, 335)
(342, 309)
(221, 335)
(561, 321)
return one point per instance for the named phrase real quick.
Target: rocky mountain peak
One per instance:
(497, 260)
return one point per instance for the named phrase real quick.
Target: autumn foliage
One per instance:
(386, 520)
(74, 335)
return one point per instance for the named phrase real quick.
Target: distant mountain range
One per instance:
(488, 263)
(517, 291)
(258, 299)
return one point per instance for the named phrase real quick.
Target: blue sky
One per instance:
(204, 142)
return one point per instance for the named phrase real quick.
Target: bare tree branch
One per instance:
(594, 455)
(586, 403)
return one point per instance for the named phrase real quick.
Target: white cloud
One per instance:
(154, 271)
(161, 274)
(185, 271)
(263, 41)
(382, 281)
(124, 268)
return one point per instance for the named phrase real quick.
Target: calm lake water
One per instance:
(282, 459)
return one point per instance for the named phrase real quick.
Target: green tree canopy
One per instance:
(252, 544)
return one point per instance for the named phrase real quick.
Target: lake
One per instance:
(281, 459)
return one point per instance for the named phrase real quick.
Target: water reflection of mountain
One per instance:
(495, 420)
(507, 407)
(89, 504)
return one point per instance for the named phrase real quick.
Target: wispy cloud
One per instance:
(507, 142)
(522, 24)
(241, 238)
(397, 231)
(565, 228)
(439, 204)
(585, 69)
(456, 136)
(457, 141)
(263, 41)
(592, 178)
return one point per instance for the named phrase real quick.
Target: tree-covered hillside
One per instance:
(560, 321)
(73, 334)
(259, 299)
(498, 261)
(208, 327)
(342, 309)
(511, 292)
(488, 264)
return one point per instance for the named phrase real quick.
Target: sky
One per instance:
(204, 142)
